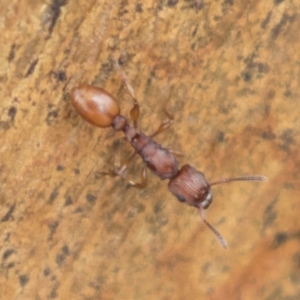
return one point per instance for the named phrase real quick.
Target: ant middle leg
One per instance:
(164, 125)
(135, 111)
(119, 170)
(143, 182)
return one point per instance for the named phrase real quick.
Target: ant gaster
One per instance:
(188, 185)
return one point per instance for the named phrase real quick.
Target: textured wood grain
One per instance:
(230, 73)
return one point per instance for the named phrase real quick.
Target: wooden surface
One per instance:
(230, 74)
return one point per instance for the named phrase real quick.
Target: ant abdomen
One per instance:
(95, 105)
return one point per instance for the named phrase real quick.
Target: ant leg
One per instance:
(176, 153)
(135, 111)
(198, 4)
(162, 127)
(143, 183)
(165, 125)
(119, 170)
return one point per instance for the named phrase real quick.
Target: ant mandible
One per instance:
(188, 185)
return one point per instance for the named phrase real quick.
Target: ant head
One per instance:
(191, 187)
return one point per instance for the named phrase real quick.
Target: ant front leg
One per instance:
(135, 111)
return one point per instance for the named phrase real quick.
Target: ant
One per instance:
(188, 185)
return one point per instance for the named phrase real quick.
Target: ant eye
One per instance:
(180, 198)
(208, 200)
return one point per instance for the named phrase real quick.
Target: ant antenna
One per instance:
(244, 178)
(213, 229)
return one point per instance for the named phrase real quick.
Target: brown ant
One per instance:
(99, 108)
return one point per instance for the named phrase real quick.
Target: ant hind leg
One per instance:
(135, 111)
